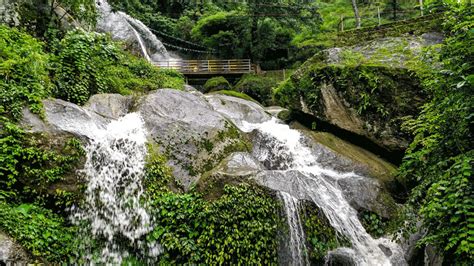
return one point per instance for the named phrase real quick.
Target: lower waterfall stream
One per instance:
(281, 150)
(112, 212)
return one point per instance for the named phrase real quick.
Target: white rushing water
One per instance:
(282, 150)
(123, 27)
(112, 214)
(296, 240)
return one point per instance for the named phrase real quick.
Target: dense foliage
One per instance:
(43, 233)
(439, 162)
(89, 63)
(24, 76)
(259, 29)
(29, 170)
(239, 227)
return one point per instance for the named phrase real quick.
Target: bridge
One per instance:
(208, 67)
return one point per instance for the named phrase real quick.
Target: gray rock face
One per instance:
(111, 106)
(9, 13)
(340, 257)
(11, 253)
(237, 109)
(364, 193)
(66, 117)
(189, 131)
(240, 164)
(125, 28)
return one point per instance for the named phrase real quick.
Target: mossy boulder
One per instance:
(370, 101)
(258, 87)
(216, 84)
(193, 136)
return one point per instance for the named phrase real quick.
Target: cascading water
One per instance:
(296, 241)
(124, 27)
(282, 151)
(112, 214)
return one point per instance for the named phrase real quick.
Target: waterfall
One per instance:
(281, 150)
(125, 28)
(112, 214)
(296, 241)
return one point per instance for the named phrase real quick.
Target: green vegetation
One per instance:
(320, 236)
(43, 233)
(28, 172)
(24, 78)
(217, 84)
(239, 227)
(258, 87)
(439, 162)
(373, 223)
(89, 63)
(29, 167)
(260, 30)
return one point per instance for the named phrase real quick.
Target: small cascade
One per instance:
(124, 27)
(296, 240)
(281, 150)
(112, 214)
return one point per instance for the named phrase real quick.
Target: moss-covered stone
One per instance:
(217, 84)
(367, 100)
(416, 26)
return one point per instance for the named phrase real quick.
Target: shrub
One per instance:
(216, 84)
(39, 230)
(238, 228)
(29, 170)
(90, 63)
(259, 88)
(23, 73)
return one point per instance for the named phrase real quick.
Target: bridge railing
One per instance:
(231, 66)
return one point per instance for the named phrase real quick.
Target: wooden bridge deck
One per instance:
(208, 67)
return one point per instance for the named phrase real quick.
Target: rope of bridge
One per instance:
(206, 51)
(186, 49)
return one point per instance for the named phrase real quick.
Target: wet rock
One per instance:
(291, 182)
(191, 89)
(236, 168)
(237, 109)
(432, 256)
(190, 132)
(111, 106)
(12, 253)
(9, 12)
(275, 110)
(62, 116)
(365, 193)
(340, 257)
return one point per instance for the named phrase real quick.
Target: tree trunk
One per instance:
(356, 13)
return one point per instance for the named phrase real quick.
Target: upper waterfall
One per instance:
(125, 28)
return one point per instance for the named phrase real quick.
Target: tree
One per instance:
(356, 13)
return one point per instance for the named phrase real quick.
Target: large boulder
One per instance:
(112, 106)
(11, 253)
(188, 130)
(237, 109)
(366, 89)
